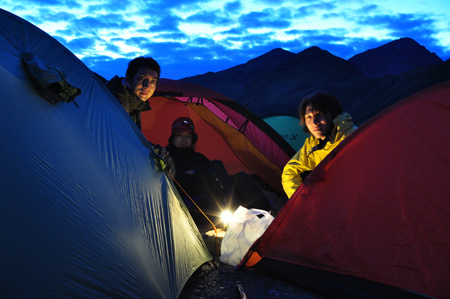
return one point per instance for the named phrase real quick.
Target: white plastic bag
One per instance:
(245, 227)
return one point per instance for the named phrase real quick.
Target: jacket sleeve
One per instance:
(200, 163)
(343, 126)
(298, 164)
(197, 163)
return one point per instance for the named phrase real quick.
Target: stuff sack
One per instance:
(51, 81)
(246, 226)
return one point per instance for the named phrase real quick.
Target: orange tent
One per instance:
(227, 131)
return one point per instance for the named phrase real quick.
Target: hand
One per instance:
(162, 152)
(171, 165)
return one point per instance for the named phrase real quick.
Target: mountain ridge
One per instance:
(396, 57)
(276, 81)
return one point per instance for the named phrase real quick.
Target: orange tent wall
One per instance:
(217, 140)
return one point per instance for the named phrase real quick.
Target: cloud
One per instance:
(43, 15)
(314, 9)
(166, 23)
(179, 36)
(233, 7)
(81, 44)
(52, 3)
(120, 6)
(138, 42)
(110, 47)
(235, 31)
(268, 18)
(103, 21)
(179, 4)
(210, 17)
(397, 23)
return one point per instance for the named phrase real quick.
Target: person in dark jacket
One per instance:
(139, 84)
(208, 180)
(134, 91)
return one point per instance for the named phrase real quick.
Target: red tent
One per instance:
(373, 219)
(227, 131)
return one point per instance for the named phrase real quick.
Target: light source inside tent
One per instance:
(223, 213)
(225, 216)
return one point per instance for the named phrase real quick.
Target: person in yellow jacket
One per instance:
(322, 116)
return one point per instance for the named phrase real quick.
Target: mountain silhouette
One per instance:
(394, 58)
(275, 83)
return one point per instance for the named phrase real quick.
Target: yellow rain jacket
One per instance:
(309, 156)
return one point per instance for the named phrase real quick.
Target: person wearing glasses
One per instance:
(323, 118)
(137, 87)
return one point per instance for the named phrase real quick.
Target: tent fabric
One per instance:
(377, 208)
(289, 128)
(84, 211)
(227, 131)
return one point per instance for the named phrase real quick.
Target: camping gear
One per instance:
(51, 81)
(226, 130)
(84, 210)
(245, 227)
(373, 218)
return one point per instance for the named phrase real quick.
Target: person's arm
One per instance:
(291, 176)
(343, 126)
(199, 163)
(188, 170)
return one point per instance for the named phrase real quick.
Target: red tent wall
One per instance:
(377, 208)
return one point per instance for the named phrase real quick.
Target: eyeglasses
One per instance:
(146, 81)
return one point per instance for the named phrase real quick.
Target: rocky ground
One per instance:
(219, 280)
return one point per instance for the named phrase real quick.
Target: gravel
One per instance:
(218, 280)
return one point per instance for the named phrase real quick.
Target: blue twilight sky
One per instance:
(192, 37)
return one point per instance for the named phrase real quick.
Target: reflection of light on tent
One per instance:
(289, 128)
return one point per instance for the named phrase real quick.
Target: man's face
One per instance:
(144, 83)
(318, 124)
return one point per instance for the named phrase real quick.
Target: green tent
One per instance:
(289, 128)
